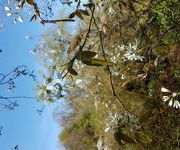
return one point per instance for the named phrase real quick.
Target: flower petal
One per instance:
(20, 19)
(163, 89)
(165, 98)
(171, 102)
(176, 104)
(107, 129)
(7, 8)
(8, 14)
(174, 94)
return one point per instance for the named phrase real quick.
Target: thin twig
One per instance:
(110, 74)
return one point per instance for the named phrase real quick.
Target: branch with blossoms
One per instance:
(15, 10)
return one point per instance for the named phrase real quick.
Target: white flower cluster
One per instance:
(17, 17)
(130, 52)
(116, 120)
(46, 92)
(172, 99)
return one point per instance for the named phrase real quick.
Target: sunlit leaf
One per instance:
(86, 55)
(96, 62)
(142, 137)
(162, 49)
(121, 136)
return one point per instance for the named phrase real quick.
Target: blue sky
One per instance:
(23, 126)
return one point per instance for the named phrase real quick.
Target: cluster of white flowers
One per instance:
(116, 120)
(46, 91)
(113, 121)
(172, 98)
(130, 52)
(17, 17)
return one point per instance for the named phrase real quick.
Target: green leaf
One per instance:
(118, 140)
(73, 72)
(162, 50)
(142, 137)
(30, 2)
(96, 62)
(86, 55)
(121, 136)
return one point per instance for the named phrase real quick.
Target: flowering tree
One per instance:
(125, 59)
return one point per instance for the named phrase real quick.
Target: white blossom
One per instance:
(7, 8)
(132, 56)
(107, 129)
(174, 94)
(53, 51)
(130, 53)
(176, 104)
(123, 77)
(17, 7)
(78, 81)
(163, 89)
(8, 14)
(170, 102)
(171, 99)
(165, 98)
(20, 19)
